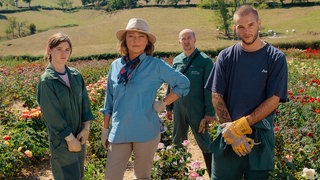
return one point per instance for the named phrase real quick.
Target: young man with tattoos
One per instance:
(247, 83)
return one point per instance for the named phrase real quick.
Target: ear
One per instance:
(48, 50)
(259, 23)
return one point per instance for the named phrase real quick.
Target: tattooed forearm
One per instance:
(220, 108)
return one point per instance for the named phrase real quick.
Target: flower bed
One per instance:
(24, 137)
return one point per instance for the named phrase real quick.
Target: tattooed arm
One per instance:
(220, 108)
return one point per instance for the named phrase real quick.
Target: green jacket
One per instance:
(63, 108)
(197, 73)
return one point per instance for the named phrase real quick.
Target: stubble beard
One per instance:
(255, 36)
(187, 48)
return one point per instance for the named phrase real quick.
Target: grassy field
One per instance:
(93, 32)
(45, 3)
(78, 3)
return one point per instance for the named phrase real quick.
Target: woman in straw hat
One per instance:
(130, 105)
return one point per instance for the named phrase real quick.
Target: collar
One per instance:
(194, 53)
(141, 57)
(54, 75)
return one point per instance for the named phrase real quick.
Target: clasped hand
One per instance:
(234, 133)
(84, 134)
(73, 143)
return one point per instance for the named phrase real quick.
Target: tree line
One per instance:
(223, 10)
(121, 4)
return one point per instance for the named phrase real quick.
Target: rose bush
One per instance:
(297, 121)
(174, 162)
(23, 131)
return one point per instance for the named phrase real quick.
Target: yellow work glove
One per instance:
(84, 134)
(251, 142)
(237, 128)
(73, 143)
(202, 126)
(242, 146)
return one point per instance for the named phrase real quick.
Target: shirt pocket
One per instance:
(77, 90)
(62, 93)
(195, 76)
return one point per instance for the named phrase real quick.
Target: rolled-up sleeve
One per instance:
(179, 83)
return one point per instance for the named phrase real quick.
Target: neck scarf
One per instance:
(125, 72)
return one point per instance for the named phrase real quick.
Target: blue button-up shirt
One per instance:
(131, 105)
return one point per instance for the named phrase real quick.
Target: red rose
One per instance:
(6, 137)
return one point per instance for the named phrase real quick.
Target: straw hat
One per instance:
(139, 25)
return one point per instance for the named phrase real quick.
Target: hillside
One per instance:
(44, 3)
(78, 3)
(93, 32)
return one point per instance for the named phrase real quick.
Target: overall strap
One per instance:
(190, 62)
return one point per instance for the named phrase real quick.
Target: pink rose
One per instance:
(185, 143)
(28, 153)
(196, 165)
(161, 146)
(289, 158)
(193, 175)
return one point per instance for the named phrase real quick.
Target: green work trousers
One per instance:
(227, 165)
(185, 115)
(66, 165)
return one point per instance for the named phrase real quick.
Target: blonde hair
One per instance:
(54, 41)
(123, 48)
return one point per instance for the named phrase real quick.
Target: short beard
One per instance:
(250, 42)
(187, 49)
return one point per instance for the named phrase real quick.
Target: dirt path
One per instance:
(196, 156)
(44, 173)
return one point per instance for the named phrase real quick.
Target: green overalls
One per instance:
(190, 109)
(64, 109)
